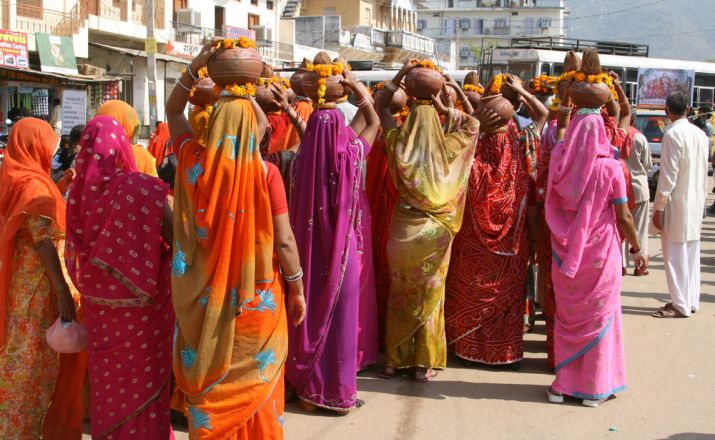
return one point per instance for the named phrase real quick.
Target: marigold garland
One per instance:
(591, 79)
(497, 83)
(472, 88)
(325, 70)
(541, 85)
(428, 64)
(555, 103)
(286, 83)
(241, 91)
(322, 89)
(267, 82)
(242, 42)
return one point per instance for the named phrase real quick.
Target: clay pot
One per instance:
(498, 104)
(235, 66)
(474, 99)
(423, 82)
(398, 101)
(291, 95)
(591, 63)
(322, 58)
(296, 82)
(471, 78)
(334, 91)
(205, 93)
(265, 98)
(452, 95)
(586, 95)
(509, 93)
(571, 62)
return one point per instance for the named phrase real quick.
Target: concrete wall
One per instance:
(236, 14)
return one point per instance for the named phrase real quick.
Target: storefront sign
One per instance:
(235, 33)
(13, 49)
(74, 109)
(56, 53)
(150, 45)
(654, 86)
(182, 50)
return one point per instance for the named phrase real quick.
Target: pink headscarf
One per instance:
(575, 165)
(109, 211)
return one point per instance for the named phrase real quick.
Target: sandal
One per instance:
(427, 376)
(668, 312)
(387, 373)
(640, 272)
(553, 396)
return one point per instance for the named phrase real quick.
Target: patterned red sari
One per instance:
(484, 305)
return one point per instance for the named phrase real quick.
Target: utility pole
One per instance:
(150, 49)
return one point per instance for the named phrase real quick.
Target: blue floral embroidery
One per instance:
(234, 145)
(264, 359)
(199, 419)
(188, 357)
(234, 297)
(202, 233)
(178, 265)
(204, 301)
(281, 419)
(267, 301)
(193, 173)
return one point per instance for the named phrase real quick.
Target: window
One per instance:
(500, 23)
(368, 16)
(29, 8)
(478, 28)
(253, 20)
(450, 3)
(254, 2)
(449, 26)
(269, 4)
(329, 12)
(529, 26)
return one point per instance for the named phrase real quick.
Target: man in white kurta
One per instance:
(679, 205)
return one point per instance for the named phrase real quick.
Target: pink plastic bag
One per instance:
(66, 337)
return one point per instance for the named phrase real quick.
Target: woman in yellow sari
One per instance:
(125, 114)
(232, 234)
(430, 170)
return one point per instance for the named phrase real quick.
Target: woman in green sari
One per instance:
(429, 165)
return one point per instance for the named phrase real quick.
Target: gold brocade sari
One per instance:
(430, 170)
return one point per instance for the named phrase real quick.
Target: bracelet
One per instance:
(183, 86)
(295, 277)
(392, 87)
(565, 110)
(191, 74)
(635, 254)
(363, 102)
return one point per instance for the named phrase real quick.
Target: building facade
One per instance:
(471, 25)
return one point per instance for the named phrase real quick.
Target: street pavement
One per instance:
(670, 394)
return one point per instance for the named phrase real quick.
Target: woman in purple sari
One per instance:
(586, 209)
(324, 211)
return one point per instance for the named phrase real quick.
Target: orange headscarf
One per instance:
(25, 188)
(127, 117)
(158, 142)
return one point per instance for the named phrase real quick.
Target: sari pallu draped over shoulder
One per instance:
(25, 188)
(230, 342)
(430, 171)
(584, 184)
(325, 195)
(488, 272)
(119, 262)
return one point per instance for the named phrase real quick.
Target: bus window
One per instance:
(546, 68)
(632, 75)
(558, 69)
(523, 70)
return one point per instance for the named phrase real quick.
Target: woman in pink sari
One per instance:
(118, 225)
(585, 210)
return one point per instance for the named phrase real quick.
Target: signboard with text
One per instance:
(182, 50)
(235, 33)
(13, 49)
(654, 86)
(56, 53)
(74, 109)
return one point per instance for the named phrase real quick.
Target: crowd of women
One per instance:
(289, 247)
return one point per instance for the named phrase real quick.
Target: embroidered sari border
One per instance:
(588, 346)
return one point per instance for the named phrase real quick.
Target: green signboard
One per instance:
(56, 53)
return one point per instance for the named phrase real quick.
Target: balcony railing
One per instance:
(377, 37)
(409, 41)
(276, 50)
(31, 19)
(196, 35)
(465, 4)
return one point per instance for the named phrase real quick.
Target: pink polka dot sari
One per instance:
(119, 262)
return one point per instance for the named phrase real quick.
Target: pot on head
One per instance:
(471, 78)
(474, 98)
(423, 83)
(205, 93)
(235, 66)
(296, 82)
(334, 90)
(265, 98)
(499, 105)
(587, 95)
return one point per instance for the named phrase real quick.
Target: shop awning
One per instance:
(13, 74)
(140, 53)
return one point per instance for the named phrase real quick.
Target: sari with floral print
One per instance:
(430, 170)
(231, 343)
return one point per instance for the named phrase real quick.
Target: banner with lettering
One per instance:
(13, 49)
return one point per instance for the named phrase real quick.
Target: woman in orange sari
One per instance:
(125, 114)
(232, 235)
(33, 290)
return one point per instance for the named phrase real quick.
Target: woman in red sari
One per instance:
(484, 303)
(118, 227)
